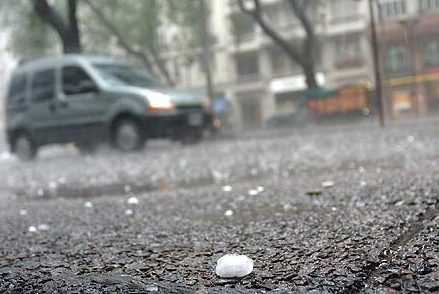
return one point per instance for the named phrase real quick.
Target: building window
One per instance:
(280, 62)
(280, 15)
(243, 27)
(398, 59)
(247, 66)
(428, 5)
(343, 9)
(431, 54)
(212, 62)
(392, 8)
(348, 51)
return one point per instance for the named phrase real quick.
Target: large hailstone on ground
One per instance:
(234, 266)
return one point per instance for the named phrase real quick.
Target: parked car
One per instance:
(89, 99)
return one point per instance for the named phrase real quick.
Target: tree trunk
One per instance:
(310, 77)
(72, 42)
(67, 32)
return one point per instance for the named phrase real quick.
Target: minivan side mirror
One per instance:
(87, 86)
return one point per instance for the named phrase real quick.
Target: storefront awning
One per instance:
(293, 83)
(319, 93)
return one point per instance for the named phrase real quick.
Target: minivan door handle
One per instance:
(52, 106)
(63, 104)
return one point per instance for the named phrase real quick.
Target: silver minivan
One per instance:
(88, 100)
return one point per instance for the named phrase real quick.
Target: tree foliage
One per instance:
(132, 27)
(31, 38)
(67, 27)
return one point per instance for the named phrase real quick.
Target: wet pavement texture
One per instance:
(375, 230)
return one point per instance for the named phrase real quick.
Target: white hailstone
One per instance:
(410, 139)
(129, 212)
(228, 213)
(40, 192)
(334, 208)
(5, 155)
(363, 183)
(32, 229)
(53, 185)
(23, 212)
(253, 192)
(182, 163)
(260, 189)
(152, 288)
(88, 204)
(287, 206)
(217, 176)
(43, 227)
(62, 180)
(127, 188)
(361, 169)
(234, 266)
(328, 184)
(133, 201)
(227, 188)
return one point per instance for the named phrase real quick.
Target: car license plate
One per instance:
(195, 119)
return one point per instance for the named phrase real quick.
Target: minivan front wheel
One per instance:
(128, 136)
(24, 147)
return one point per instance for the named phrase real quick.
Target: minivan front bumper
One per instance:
(177, 124)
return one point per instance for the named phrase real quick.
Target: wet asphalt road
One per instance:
(376, 230)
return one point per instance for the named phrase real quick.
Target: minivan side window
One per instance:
(76, 81)
(43, 86)
(17, 90)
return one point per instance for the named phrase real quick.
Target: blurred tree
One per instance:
(136, 27)
(67, 27)
(303, 55)
(30, 36)
(145, 29)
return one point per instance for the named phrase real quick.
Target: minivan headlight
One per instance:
(159, 102)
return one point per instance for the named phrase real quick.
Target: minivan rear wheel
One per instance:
(128, 136)
(24, 147)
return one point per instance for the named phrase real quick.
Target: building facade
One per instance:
(409, 38)
(260, 80)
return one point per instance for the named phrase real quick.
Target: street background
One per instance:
(323, 170)
(374, 230)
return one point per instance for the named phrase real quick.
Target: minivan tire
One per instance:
(127, 136)
(24, 147)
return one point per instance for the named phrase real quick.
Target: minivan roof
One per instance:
(54, 61)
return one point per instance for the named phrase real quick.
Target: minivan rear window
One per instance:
(17, 90)
(43, 86)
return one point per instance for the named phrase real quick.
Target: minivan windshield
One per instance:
(126, 74)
